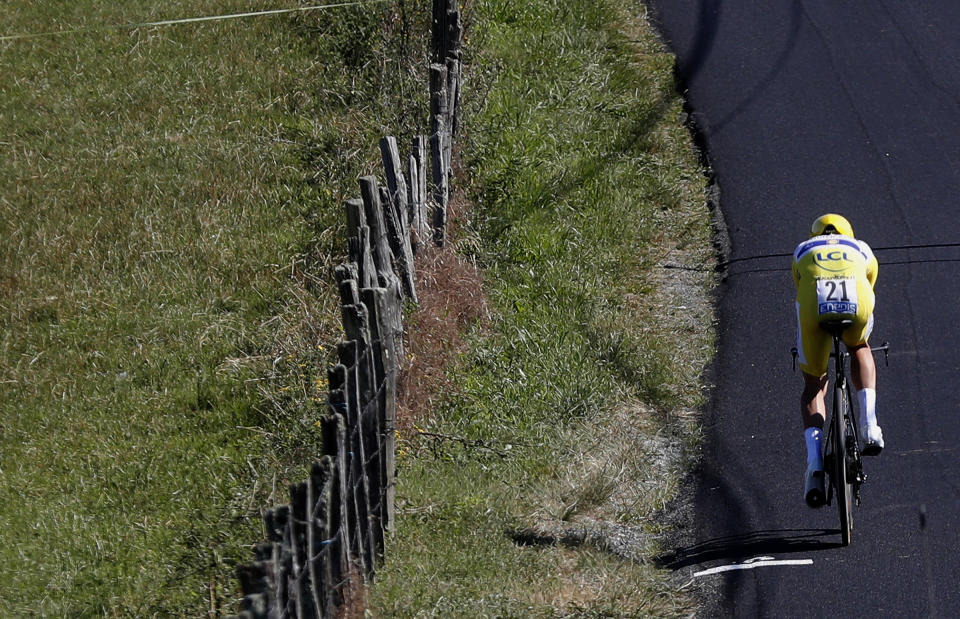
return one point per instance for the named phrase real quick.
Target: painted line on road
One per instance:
(750, 564)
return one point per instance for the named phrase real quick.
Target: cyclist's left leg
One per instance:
(813, 345)
(863, 370)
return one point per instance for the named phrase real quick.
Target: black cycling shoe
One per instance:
(813, 488)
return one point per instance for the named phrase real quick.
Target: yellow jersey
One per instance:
(834, 276)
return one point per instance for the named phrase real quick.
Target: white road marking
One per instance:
(749, 564)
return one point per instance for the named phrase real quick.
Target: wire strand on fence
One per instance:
(185, 20)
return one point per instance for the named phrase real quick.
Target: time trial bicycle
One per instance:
(842, 459)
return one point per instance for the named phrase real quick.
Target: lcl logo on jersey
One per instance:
(830, 259)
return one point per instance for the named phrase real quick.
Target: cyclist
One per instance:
(834, 274)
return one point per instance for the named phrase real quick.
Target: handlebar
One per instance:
(885, 347)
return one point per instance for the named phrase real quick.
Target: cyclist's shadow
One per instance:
(749, 545)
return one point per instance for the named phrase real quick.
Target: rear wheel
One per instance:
(855, 473)
(841, 483)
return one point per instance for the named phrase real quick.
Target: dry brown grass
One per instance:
(451, 302)
(354, 598)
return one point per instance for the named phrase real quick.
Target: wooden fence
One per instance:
(444, 105)
(330, 537)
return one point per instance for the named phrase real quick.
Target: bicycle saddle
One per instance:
(835, 327)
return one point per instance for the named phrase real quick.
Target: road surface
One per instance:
(806, 107)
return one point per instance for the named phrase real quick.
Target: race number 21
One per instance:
(837, 296)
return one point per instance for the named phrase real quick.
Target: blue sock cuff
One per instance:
(814, 452)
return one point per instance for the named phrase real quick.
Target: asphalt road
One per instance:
(806, 107)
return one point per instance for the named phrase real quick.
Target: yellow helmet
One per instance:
(831, 223)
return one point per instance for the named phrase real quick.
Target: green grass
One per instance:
(584, 388)
(170, 215)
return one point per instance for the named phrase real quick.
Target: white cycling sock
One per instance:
(811, 437)
(868, 407)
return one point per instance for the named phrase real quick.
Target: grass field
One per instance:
(170, 217)
(170, 214)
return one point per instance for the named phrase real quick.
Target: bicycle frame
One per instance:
(845, 467)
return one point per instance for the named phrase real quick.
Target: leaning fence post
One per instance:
(335, 433)
(371, 416)
(383, 310)
(418, 191)
(277, 521)
(400, 238)
(324, 554)
(378, 229)
(300, 552)
(350, 353)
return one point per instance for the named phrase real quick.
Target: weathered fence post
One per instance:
(438, 149)
(300, 553)
(444, 103)
(398, 220)
(418, 191)
(370, 422)
(446, 31)
(378, 230)
(359, 490)
(383, 309)
(258, 583)
(277, 521)
(322, 544)
(335, 433)
(358, 243)
(453, 103)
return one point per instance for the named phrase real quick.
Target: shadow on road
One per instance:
(749, 545)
